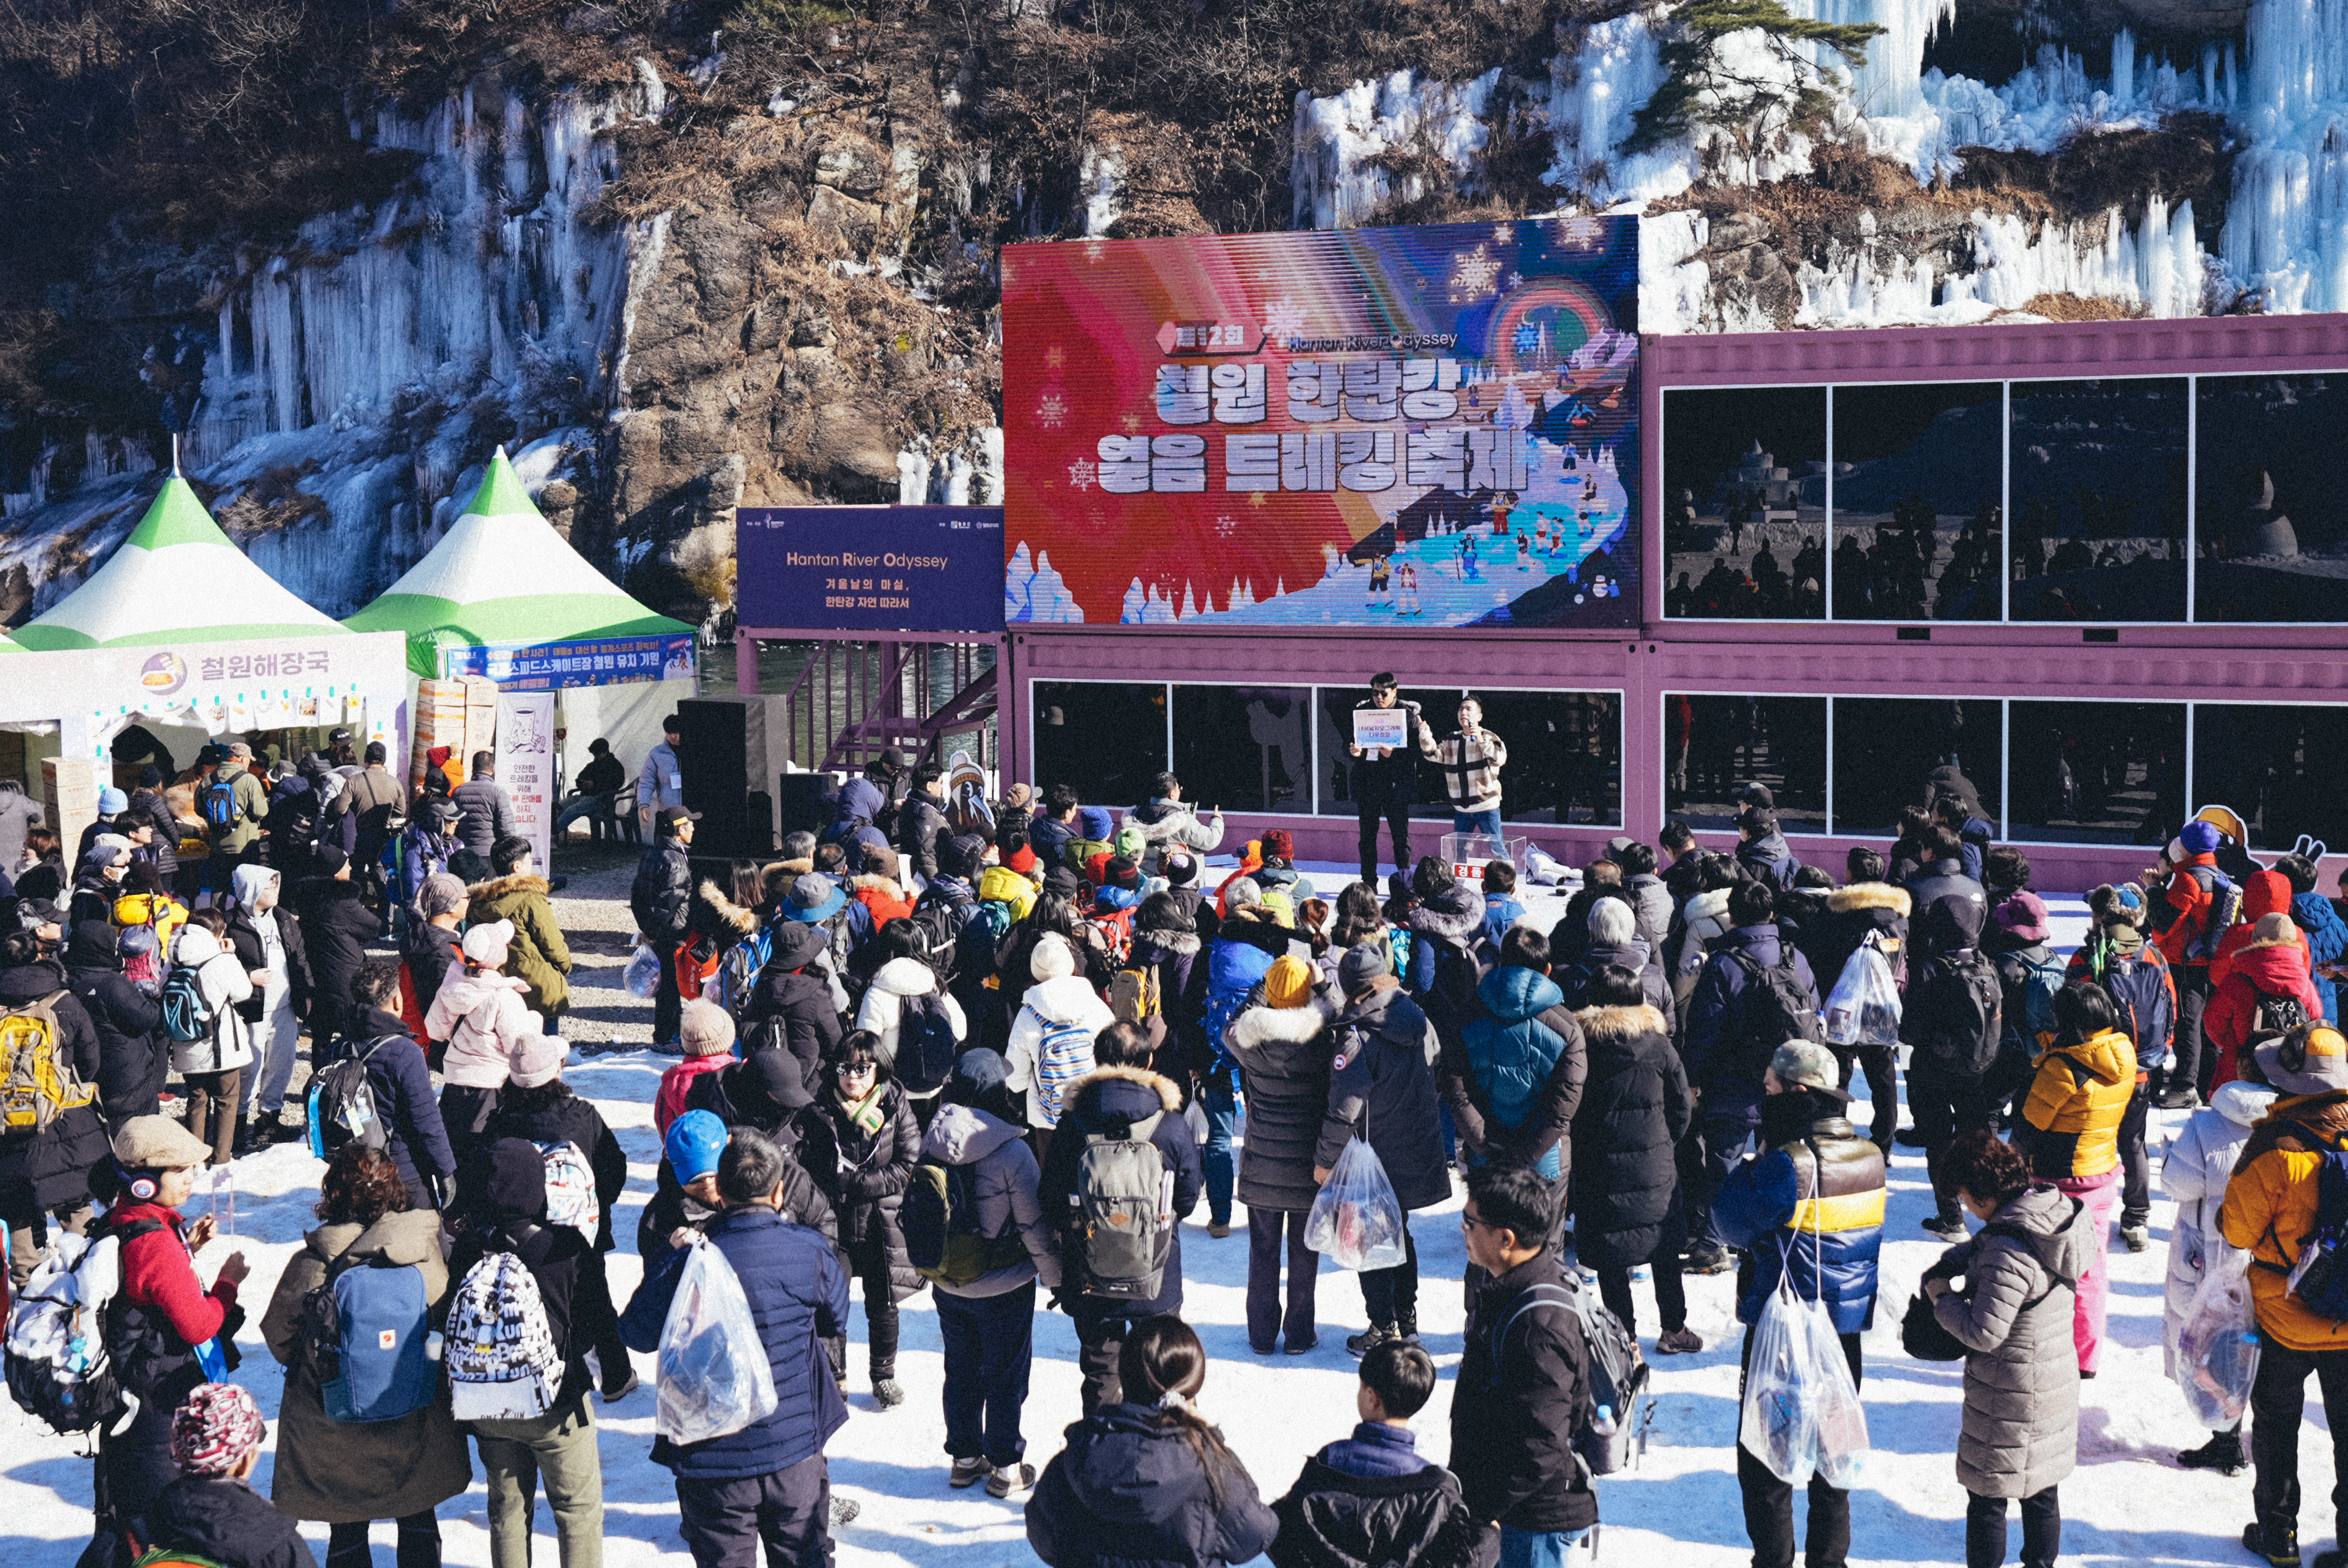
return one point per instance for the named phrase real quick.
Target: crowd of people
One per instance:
(997, 1049)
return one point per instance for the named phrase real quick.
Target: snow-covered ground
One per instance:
(2127, 1503)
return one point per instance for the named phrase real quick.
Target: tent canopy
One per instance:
(462, 594)
(177, 578)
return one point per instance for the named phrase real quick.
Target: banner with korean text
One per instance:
(1372, 427)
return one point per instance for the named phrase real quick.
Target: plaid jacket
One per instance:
(1471, 769)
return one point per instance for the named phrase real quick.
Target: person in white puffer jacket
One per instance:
(214, 1064)
(482, 1015)
(2200, 1161)
(1047, 1056)
(905, 975)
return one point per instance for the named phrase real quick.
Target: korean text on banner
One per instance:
(526, 767)
(1388, 727)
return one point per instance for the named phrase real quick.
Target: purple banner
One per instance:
(870, 569)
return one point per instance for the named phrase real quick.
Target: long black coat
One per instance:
(865, 1176)
(134, 1056)
(336, 926)
(51, 1167)
(807, 1024)
(1634, 1110)
(1181, 997)
(1128, 1491)
(1385, 1091)
(1283, 1053)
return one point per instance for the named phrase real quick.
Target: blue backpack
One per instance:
(364, 1333)
(221, 809)
(2139, 990)
(186, 1017)
(738, 971)
(2225, 909)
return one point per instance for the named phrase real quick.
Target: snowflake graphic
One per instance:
(1082, 472)
(1226, 526)
(1516, 279)
(1503, 234)
(1132, 423)
(1094, 250)
(1528, 340)
(1055, 356)
(1282, 320)
(1052, 412)
(1580, 231)
(1473, 271)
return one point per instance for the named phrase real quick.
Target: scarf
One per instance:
(865, 1113)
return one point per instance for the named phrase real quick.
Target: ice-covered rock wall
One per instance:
(1347, 144)
(2286, 228)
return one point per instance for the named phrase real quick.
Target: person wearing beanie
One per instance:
(1052, 1035)
(1167, 822)
(1382, 1089)
(707, 1033)
(211, 1510)
(986, 1288)
(1247, 939)
(2132, 972)
(2019, 941)
(480, 1013)
(536, 1105)
(1280, 1042)
(2195, 899)
(2267, 990)
(1808, 1210)
(164, 1331)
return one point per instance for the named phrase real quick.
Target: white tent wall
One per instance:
(629, 716)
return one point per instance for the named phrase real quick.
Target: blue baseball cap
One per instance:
(694, 1141)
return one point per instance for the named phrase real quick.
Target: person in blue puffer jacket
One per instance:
(1515, 1081)
(2319, 922)
(1810, 1209)
(768, 1483)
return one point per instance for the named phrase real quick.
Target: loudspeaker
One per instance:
(803, 802)
(724, 751)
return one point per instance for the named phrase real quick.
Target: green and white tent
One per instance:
(502, 575)
(178, 579)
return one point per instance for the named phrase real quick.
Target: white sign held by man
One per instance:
(1388, 727)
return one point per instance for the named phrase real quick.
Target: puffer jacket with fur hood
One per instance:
(1634, 1110)
(226, 984)
(882, 897)
(1284, 1054)
(481, 1015)
(538, 957)
(1852, 915)
(2254, 972)
(1174, 824)
(1173, 954)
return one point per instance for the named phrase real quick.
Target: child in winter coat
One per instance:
(2070, 1127)
(706, 1035)
(212, 1510)
(1374, 1498)
(2267, 974)
(213, 1064)
(2200, 1161)
(1052, 1038)
(1150, 1482)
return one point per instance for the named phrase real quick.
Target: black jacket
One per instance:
(920, 824)
(1391, 780)
(336, 926)
(564, 1117)
(244, 941)
(1110, 1101)
(148, 805)
(804, 1023)
(134, 1057)
(428, 950)
(736, 1096)
(1181, 997)
(1939, 880)
(1333, 1520)
(864, 1175)
(52, 1167)
(226, 1521)
(402, 1086)
(1127, 1492)
(1518, 1406)
(485, 816)
(509, 1216)
(661, 897)
(1382, 1087)
(1634, 1110)
(1574, 979)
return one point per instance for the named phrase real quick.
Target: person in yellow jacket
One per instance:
(2070, 1128)
(2269, 1211)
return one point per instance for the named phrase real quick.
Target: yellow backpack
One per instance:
(37, 1081)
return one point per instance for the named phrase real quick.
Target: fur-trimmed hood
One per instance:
(1183, 942)
(743, 922)
(874, 882)
(1456, 914)
(531, 886)
(1870, 895)
(1708, 914)
(805, 863)
(1611, 1025)
(1084, 1090)
(1262, 1024)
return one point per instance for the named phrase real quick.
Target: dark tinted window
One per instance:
(2278, 766)
(1745, 502)
(1108, 739)
(1891, 752)
(1918, 470)
(2269, 515)
(2095, 773)
(1713, 746)
(1243, 747)
(2097, 493)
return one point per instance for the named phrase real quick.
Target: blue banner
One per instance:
(870, 569)
(589, 661)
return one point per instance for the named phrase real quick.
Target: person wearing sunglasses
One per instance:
(859, 1141)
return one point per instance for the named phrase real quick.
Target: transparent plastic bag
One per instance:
(1863, 1009)
(713, 1378)
(1802, 1415)
(2218, 1340)
(642, 976)
(1357, 1219)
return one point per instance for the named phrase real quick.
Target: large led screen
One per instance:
(1370, 427)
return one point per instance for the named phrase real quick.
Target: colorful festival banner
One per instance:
(1370, 427)
(587, 661)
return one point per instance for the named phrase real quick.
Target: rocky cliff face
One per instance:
(734, 252)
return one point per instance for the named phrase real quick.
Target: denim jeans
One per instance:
(1487, 823)
(1537, 1548)
(990, 1344)
(1218, 1096)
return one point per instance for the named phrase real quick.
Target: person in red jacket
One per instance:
(2264, 893)
(2182, 914)
(2268, 971)
(164, 1326)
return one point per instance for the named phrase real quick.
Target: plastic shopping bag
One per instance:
(2217, 1341)
(642, 976)
(713, 1375)
(1802, 1414)
(1863, 1009)
(1357, 1219)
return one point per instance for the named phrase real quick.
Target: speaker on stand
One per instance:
(723, 750)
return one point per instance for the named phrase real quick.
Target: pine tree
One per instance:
(1757, 110)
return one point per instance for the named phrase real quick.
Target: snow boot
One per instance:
(1370, 1339)
(2222, 1453)
(2278, 1544)
(1707, 1257)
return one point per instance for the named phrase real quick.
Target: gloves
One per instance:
(442, 1191)
(1056, 1304)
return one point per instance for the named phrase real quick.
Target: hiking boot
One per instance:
(969, 1472)
(1405, 1327)
(2278, 1544)
(2179, 1099)
(1368, 1339)
(844, 1510)
(1948, 1230)
(1707, 1257)
(1678, 1342)
(886, 1394)
(2222, 1453)
(2136, 1238)
(613, 1393)
(1010, 1478)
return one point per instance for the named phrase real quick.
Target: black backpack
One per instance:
(941, 923)
(341, 1103)
(1959, 1012)
(939, 1220)
(925, 1043)
(1777, 1008)
(1450, 1001)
